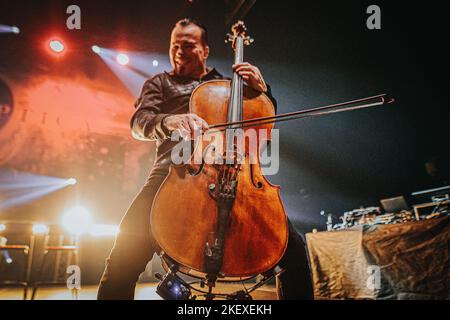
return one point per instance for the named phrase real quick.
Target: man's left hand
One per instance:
(251, 75)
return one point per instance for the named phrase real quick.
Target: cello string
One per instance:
(236, 96)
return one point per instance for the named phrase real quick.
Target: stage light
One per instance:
(9, 29)
(15, 30)
(99, 230)
(6, 256)
(96, 49)
(71, 181)
(122, 59)
(77, 220)
(2, 227)
(40, 229)
(155, 63)
(56, 46)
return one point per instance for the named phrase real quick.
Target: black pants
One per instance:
(134, 248)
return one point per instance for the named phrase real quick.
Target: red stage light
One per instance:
(56, 46)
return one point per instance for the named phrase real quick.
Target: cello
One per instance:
(223, 218)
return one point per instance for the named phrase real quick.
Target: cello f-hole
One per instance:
(190, 169)
(256, 184)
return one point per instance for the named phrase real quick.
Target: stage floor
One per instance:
(144, 291)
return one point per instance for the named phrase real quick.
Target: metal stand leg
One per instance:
(28, 266)
(41, 270)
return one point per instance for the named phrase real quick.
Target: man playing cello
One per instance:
(162, 108)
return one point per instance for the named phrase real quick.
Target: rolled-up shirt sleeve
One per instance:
(147, 121)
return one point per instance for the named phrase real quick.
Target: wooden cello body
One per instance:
(224, 218)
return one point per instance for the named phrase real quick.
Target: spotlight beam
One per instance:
(132, 80)
(10, 180)
(18, 188)
(145, 75)
(26, 185)
(29, 196)
(9, 29)
(11, 176)
(140, 67)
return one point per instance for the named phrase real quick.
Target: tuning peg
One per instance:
(229, 38)
(241, 24)
(248, 41)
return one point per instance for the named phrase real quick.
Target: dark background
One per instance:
(312, 53)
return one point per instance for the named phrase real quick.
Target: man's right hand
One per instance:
(187, 124)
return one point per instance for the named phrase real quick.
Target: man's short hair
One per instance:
(187, 21)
